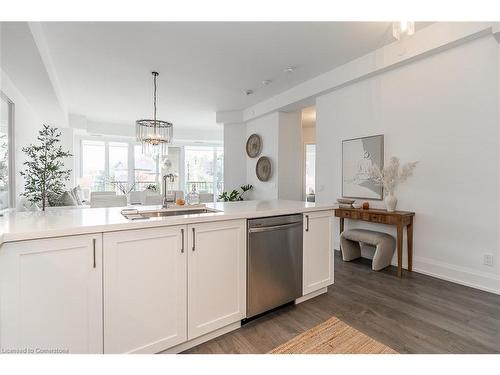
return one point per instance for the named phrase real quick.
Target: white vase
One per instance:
(390, 202)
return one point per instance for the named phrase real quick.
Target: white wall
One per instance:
(443, 112)
(235, 164)
(290, 156)
(281, 135)
(27, 123)
(268, 129)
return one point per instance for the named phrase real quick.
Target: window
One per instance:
(204, 168)
(310, 171)
(146, 170)
(7, 175)
(94, 166)
(121, 166)
(118, 162)
(219, 168)
(173, 166)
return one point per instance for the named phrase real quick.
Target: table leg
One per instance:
(409, 236)
(400, 250)
(340, 232)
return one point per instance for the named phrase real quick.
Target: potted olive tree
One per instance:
(45, 172)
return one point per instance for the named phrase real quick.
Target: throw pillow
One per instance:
(64, 199)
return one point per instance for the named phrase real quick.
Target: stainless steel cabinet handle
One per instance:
(182, 246)
(307, 223)
(194, 240)
(93, 249)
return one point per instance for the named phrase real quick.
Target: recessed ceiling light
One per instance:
(248, 92)
(266, 82)
(290, 69)
(403, 28)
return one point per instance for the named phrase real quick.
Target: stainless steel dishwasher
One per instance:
(274, 262)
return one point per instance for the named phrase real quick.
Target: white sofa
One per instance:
(107, 199)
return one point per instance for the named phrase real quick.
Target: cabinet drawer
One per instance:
(375, 218)
(349, 214)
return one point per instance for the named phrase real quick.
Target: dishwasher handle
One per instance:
(274, 227)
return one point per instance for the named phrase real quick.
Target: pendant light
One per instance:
(155, 135)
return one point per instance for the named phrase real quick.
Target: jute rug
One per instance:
(332, 337)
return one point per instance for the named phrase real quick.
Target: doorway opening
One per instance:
(309, 153)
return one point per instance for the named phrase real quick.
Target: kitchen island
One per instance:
(92, 281)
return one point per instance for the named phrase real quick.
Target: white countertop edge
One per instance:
(244, 213)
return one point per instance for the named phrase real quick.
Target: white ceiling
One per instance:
(103, 69)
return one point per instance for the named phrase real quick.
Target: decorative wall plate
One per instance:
(254, 145)
(263, 168)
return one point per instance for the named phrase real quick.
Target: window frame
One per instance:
(11, 149)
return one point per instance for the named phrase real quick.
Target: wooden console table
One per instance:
(400, 219)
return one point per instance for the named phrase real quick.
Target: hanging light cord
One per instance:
(155, 74)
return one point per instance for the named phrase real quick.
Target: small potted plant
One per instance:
(235, 195)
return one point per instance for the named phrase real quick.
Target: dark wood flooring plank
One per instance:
(415, 314)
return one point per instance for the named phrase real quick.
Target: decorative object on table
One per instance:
(45, 173)
(193, 197)
(235, 195)
(152, 188)
(254, 145)
(366, 206)
(357, 205)
(124, 187)
(359, 155)
(390, 177)
(345, 202)
(155, 135)
(263, 169)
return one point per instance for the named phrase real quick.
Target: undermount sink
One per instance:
(133, 214)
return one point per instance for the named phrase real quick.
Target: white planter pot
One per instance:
(390, 202)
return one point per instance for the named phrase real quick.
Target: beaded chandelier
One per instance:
(155, 135)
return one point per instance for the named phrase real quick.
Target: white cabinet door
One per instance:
(145, 290)
(318, 251)
(216, 275)
(51, 295)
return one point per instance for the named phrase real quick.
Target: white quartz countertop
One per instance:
(18, 226)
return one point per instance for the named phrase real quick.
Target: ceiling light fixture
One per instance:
(248, 92)
(155, 135)
(266, 82)
(290, 69)
(399, 29)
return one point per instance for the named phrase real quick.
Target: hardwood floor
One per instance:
(415, 314)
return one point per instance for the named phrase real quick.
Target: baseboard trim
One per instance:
(200, 340)
(311, 295)
(456, 274)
